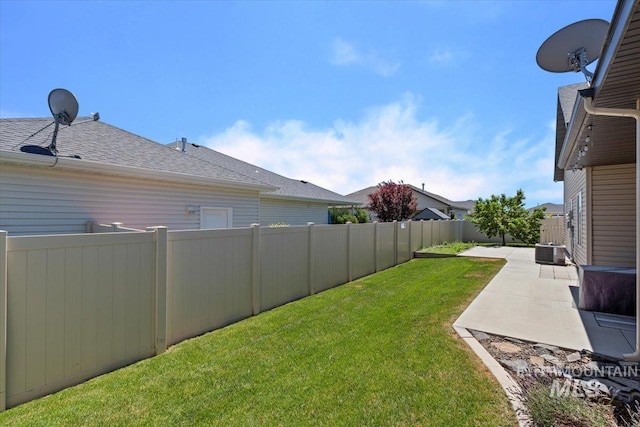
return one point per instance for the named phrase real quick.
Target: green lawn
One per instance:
(377, 351)
(447, 248)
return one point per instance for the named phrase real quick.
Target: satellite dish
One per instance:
(63, 106)
(573, 47)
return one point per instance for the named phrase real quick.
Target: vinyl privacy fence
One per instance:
(75, 306)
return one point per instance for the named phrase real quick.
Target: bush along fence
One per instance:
(73, 307)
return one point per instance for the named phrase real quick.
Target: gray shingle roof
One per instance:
(551, 208)
(362, 196)
(287, 188)
(430, 213)
(465, 204)
(106, 144)
(100, 142)
(567, 96)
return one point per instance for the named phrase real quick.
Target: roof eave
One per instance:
(77, 165)
(571, 134)
(311, 200)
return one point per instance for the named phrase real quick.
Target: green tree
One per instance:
(502, 215)
(392, 202)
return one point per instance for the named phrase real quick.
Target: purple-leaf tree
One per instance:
(392, 202)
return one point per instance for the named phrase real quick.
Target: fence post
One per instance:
(3, 320)
(312, 258)
(421, 233)
(349, 254)
(255, 269)
(162, 263)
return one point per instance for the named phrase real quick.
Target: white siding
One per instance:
(50, 201)
(291, 212)
(614, 215)
(576, 183)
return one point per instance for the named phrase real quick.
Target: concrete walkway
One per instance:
(538, 303)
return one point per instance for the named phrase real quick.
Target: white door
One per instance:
(216, 218)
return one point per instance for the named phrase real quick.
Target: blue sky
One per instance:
(344, 94)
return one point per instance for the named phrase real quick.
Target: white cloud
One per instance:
(391, 142)
(441, 57)
(344, 53)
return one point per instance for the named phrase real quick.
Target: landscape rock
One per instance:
(551, 348)
(537, 361)
(518, 365)
(574, 357)
(506, 347)
(479, 335)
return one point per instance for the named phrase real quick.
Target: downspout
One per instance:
(621, 112)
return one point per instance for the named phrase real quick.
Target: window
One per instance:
(216, 218)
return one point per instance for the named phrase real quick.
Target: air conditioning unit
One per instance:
(550, 253)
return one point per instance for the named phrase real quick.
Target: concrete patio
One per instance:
(538, 303)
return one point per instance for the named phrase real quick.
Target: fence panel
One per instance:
(552, 230)
(416, 235)
(386, 256)
(78, 306)
(363, 250)
(427, 233)
(209, 280)
(471, 234)
(458, 227)
(403, 241)
(436, 233)
(331, 256)
(284, 265)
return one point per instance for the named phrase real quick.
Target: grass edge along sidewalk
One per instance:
(376, 351)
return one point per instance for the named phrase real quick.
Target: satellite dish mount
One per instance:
(64, 108)
(578, 61)
(567, 49)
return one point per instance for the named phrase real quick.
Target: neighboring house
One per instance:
(294, 202)
(551, 210)
(105, 174)
(596, 152)
(466, 204)
(425, 200)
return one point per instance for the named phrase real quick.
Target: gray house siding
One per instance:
(602, 199)
(42, 200)
(613, 215)
(575, 206)
(425, 201)
(273, 211)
